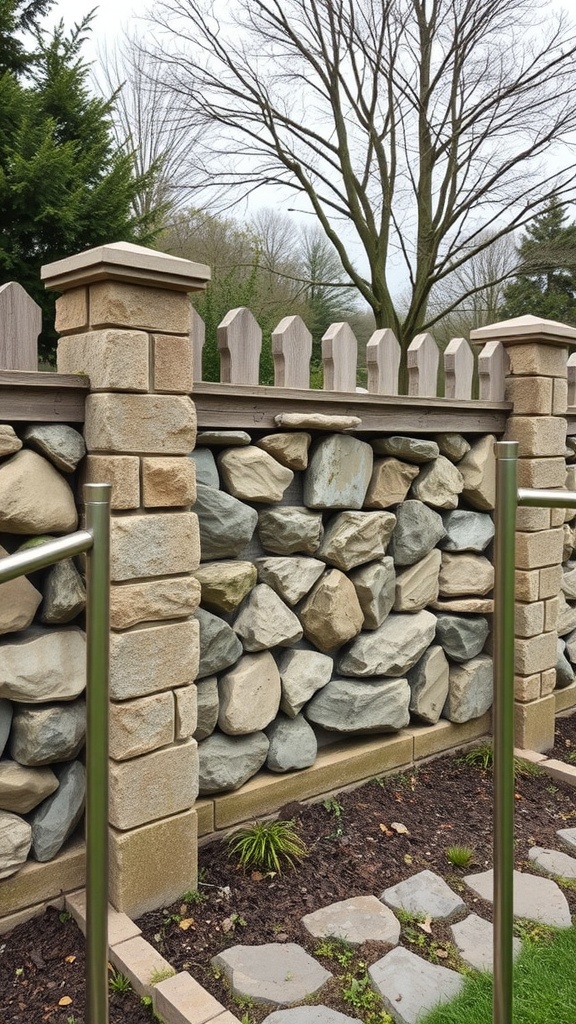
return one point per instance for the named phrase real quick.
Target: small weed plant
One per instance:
(483, 757)
(356, 989)
(119, 983)
(460, 856)
(334, 807)
(157, 976)
(268, 846)
(194, 896)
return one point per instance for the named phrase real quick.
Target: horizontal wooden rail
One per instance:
(233, 406)
(31, 397)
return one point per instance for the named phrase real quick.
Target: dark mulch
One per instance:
(354, 849)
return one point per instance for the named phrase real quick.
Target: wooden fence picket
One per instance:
(291, 351)
(239, 341)
(422, 362)
(492, 365)
(339, 356)
(571, 372)
(20, 325)
(198, 337)
(383, 354)
(458, 369)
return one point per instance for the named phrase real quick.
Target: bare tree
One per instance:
(418, 124)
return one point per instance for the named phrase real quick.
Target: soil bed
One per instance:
(354, 850)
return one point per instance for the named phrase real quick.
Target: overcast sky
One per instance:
(111, 17)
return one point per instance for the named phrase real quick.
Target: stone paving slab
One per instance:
(474, 939)
(568, 837)
(277, 972)
(309, 1015)
(427, 894)
(553, 862)
(538, 899)
(357, 920)
(410, 987)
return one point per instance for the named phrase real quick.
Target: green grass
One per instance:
(267, 845)
(544, 989)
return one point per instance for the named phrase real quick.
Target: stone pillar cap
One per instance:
(124, 261)
(523, 330)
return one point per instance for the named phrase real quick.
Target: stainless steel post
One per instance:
(503, 726)
(97, 501)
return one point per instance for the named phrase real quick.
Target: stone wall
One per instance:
(42, 650)
(346, 590)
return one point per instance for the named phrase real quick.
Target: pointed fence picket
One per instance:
(20, 325)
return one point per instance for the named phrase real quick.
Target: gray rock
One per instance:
(226, 524)
(9, 440)
(466, 531)
(331, 614)
(253, 475)
(22, 789)
(18, 602)
(44, 734)
(338, 473)
(389, 483)
(411, 987)
(226, 762)
(41, 665)
(265, 621)
(223, 438)
(424, 893)
(369, 706)
(291, 578)
(392, 649)
(375, 586)
(568, 584)
(276, 973)
(438, 484)
(417, 585)
(568, 837)
(564, 671)
(464, 574)
(206, 468)
(224, 585)
(207, 706)
(471, 689)
(249, 695)
(302, 673)
(5, 722)
(453, 446)
(418, 529)
(292, 744)
(353, 538)
(478, 469)
(553, 862)
(474, 939)
(219, 645)
(357, 920)
(56, 818)
(412, 449)
(539, 899)
(290, 531)
(63, 445)
(15, 843)
(64, 594)
(309, 1015)
(566, 618)
(429, 682)
(462, 636)
(290, 450)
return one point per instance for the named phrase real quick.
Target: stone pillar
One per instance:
(536, 385)
(124, 318)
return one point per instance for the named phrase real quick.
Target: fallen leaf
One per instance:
(386, 830)
(442, 954)
(186, 923)
(227, 924)
(425, 925)
(399, 828)
(256, 876)
(407, 858)
(65, 1001)
(517, 796)
(69, 959)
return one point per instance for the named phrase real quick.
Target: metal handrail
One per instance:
(95, 541)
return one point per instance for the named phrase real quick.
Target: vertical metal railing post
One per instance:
(97, 501)
(503, 726)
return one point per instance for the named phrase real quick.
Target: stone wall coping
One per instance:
(129, 263)
(524, 330)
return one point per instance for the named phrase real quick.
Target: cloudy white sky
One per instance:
(111, 16)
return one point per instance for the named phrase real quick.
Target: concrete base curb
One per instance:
(555, 769)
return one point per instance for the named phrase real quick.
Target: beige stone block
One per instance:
(157, 544)
(535, 550)
(205, 810)
(114, 304)
(527, 585)
(120, 926)
(140, 424)
(537, 435)
(549, 581)
(560, 771)
(548, 682)
(558, 516)
(390, 482)
(565, 699)
(527, 688)
(174, 598)
(168, 482)
(182, 1000)
(534, 724)
(151, 659)
(559, 397)
(172, 362)
(529, 619)
(122, 471)
(545, 472)
(185, 711)
(336, 766)
(72, 311)
(154, 865)
(140, 962)
(535, 654)
(156, 785)
(464, 573)
(37, 882)
(434, 739)
(530, 396)
(534, 360)
(532, 519)
(113, 360)
(139, 726)
(551, 613)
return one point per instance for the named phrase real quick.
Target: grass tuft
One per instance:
(460, 856)
(267, 846)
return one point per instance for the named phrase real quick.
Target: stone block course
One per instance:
(157, 544)
(530, 396)
(544, 472)
(72, 311)
(140, 424)
(122, 471)
(536, 550)
(537, 360)
(534, 724)
(172, 364)
(176, 597)
(139, 726)
(168, 482)
(527, 688)
(153, 865)
(113, 360)
(529, 619)
(135, 795)
(114, 304)
(151, 659)
(537, 435)
(535, 654)
(559, 397)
